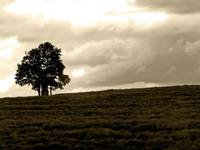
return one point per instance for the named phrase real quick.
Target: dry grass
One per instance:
(154, 118)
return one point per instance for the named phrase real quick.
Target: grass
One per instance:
(154, 118)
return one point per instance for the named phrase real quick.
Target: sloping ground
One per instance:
(154, 118)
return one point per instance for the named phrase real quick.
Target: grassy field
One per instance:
(154, 118)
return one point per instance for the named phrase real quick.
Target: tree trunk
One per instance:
(38, 92)
(50, 90)
(45, 91)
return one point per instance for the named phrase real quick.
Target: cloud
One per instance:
(5, 2)
(8, 55)
(108, 51)
(170, 6)
(110, 62)
(79, 13)
(169, 66)
(6, 83)
(123, 86)
(90, 12)
(193, 48)
(7, 46)
(131, 46)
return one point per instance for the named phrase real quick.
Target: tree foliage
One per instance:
(42, 68)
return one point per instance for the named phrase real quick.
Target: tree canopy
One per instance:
(42, 68)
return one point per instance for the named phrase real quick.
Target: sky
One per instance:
(106, 44)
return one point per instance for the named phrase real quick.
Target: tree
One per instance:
(42, 68)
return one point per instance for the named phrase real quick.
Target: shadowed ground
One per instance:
(154, 118)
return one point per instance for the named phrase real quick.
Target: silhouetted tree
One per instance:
(42, 68)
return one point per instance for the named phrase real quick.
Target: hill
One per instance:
(152, 118)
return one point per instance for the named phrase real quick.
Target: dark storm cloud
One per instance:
(171, 6)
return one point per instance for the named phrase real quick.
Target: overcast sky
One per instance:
(105, 43)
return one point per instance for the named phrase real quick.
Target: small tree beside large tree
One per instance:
(42, 68)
